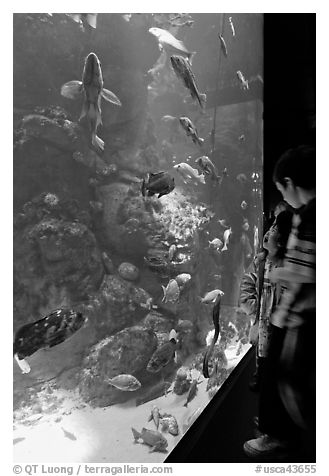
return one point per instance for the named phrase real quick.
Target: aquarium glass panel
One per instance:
(138, 163)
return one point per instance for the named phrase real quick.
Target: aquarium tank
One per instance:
(138, 164)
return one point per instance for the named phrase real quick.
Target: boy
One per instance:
(287, 395)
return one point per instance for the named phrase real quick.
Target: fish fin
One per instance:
(92, 19)
(202, 179)
(164, 293)
(153, 449)
(150, 418)
(72, 89)
(185, 404)
(136, 434)
(97, 142)
(23, 365)
(110, 97)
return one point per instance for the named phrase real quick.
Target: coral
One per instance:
(126, 352)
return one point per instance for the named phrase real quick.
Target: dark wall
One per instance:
(289, 89)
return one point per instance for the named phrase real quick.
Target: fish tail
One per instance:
(173, 334)
(224, 247)
(185, 404)
(136, 434)
(200, 141)
(97, 141)
(202, 179)
(190, 57)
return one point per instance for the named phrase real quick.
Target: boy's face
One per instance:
(289, 193)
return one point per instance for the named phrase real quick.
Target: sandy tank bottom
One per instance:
(82, 434)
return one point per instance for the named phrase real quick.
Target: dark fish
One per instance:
(163, 354)
(183, 70)
(161, 183)
(92, 86)
(215, 318)
(223, 45)
(17, 440)
(154, 392)
(208, 167)
(191, 130)
(49, 331)
(69, 435)
(192, 392)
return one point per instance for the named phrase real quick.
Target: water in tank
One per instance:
(137, 210)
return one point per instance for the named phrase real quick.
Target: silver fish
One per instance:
(125, 382)
(226, 236)
(231, 25)
(171, 292)
(211, 296)
(244, 82)
(170, 44)
(189, 173)
(169, 423)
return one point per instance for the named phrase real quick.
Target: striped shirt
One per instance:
(298, 301)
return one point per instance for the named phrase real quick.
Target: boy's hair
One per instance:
(299, 165)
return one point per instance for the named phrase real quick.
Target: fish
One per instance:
(192, 392)
(211, 296)
(189, 173)
(170, 44)
(125, 382)
(93, 89)
(49, 331)
(245, 225)
(155, 416)
(191, 130)
(169, 119)
(182, 279)
(69, 435)
(18, 440)
(161, 388)
(226, 236)
(191, 419)
(151, 438)
(172, 251)
(243, 205)
(208, 167)
(215, 318)
(223, 223)
(171, 292)
(223, 45)
(241, 138)
(216, 243)
(243, 81)
(84, 18)
(231, 25)
(161, 183)
(169, 423)
(164, 354)
(242, 178)
(183, 71)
